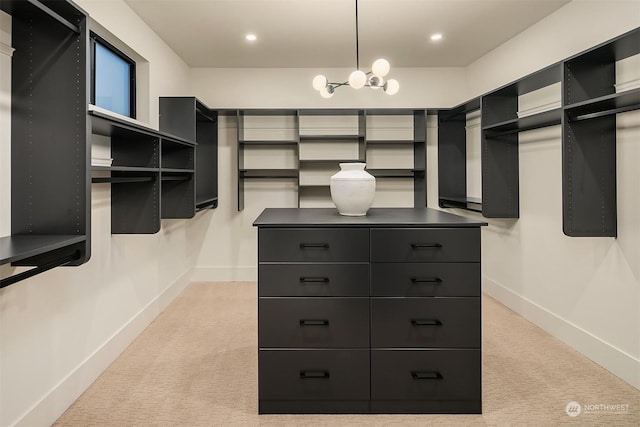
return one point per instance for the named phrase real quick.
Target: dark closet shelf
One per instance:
(269, 142)
(534, 121)
(318, 161)
(269, 173)
(107, 125)
(605, 105)
(473, 204)
(392, 141)
(329, 138)
(177, 170)
(120, 179)
(395, 173)
(17, 248)
(134, 169)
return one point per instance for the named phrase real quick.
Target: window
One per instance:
(113, 78)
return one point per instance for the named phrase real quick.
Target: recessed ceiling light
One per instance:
(251, 37)
(435, 37)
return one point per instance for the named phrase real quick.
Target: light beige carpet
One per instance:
(196, 365)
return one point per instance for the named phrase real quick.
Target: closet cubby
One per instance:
(452, 157)
(50, 184)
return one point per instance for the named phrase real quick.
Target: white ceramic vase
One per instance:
(353, 189)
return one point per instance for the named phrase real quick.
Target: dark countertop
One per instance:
(376, 217)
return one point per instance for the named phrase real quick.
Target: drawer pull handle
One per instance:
(308, 374)
(314, 322)
(425, 245)
(425, 322)
(426, 375)
(419, 280)
(314, 245)
(314, 280)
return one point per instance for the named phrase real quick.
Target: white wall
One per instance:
(291, 88)
(61, 329)
(585, 291)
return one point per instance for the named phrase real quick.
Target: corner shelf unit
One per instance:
(50, 186)
(152, 173)
(276, 133)
(590, 104)
(191, 119)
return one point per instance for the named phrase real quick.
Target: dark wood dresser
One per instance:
(374, 314)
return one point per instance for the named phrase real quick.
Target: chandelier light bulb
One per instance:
(319, 82)
(380, 67)
(357, 79)
(391, 87)
(327, 91)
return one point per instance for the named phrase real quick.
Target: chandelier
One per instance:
(374, 79)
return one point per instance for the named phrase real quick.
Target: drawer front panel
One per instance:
(425, 245)
(313, 322)
(425, 279)
(425, 322)
(313, 375)
(307, 280)
(426, 375)
(313, 244)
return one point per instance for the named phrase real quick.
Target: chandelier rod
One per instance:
(357, 40)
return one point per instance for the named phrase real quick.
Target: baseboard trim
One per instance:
(616, 361)
(48, 409)
(224, 274)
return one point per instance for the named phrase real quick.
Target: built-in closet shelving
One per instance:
(587, 113)
(143, 161)
(50, 186)
(306, 146)
(327, 138)
(452, 157)
(270, 132)
(590, 104)
(167, 174)
(501, 125)
(191, 119)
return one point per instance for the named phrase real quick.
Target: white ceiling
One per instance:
(321, 33)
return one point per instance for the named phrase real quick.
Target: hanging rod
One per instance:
(55, 16)
(175, 178)
(39, 269)
(606, 112)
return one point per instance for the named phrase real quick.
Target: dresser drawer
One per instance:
(328, 280)
(425, 322)
(425, 245)
(426, 375)
(425, 279)
(313, 374)
(313, 322)
(313, 244)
